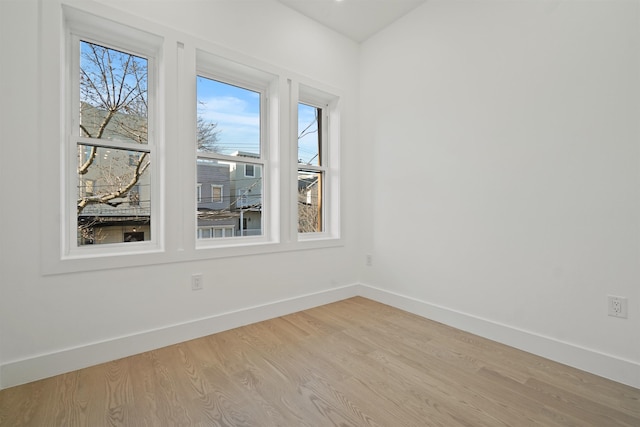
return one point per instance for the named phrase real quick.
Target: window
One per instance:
(88, 187)
(230, 156)
(216, 193)
(317, 180)
(111, 150)
(134, 195)
(311, 170)
(122, 88)
(133, 236)
(112, 140)
(215, 232)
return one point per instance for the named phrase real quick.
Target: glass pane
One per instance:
(113, 94)
(309, 152)
(310, 202)
(229, 199)
(228, 119)
(114, 195)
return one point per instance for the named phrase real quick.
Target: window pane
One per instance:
(309, 151)
(228, 119)
(113, 94)
(114, 195)
(240, 204)
(310, 202)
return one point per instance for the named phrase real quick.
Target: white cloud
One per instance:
(228, 110)
(238, 126)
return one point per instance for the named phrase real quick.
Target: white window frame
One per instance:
(81, 26)
(329, 166)
(321, 167)
(199, 193)
(212, 66)
(179, 57)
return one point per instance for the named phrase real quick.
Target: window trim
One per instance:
(329, 165)
(219, 199)
(211, 66)
(321, 167)
(81, 26)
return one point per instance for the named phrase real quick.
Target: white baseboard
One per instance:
(66, 360)
(70, 359)
(604, 365)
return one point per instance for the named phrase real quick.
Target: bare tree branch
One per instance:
(141, 167)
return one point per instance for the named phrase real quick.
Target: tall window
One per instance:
(311, 169)
(123, 88)
(229, 158)
(111, 141)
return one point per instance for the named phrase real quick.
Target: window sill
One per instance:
(91, 263)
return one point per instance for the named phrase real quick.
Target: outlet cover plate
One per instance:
(196, 282)
(617, 306)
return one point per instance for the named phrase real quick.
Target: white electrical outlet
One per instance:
(617, 306)
(368, 260)
(196, 282)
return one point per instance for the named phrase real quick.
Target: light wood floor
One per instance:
(351, 363)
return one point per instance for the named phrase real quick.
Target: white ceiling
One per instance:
(356, 19)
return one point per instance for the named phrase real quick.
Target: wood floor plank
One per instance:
(351, 363)
(27, 405)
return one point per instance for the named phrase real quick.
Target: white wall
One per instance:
(505, 172)
(54, 323)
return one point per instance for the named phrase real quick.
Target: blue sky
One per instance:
(308, 144)
(237, 113)
(235, 110)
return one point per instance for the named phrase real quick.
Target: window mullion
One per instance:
(311, 168)
(108, 143)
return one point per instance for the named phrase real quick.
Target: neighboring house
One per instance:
(246, 188)
(309, 203)
(215, 218)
